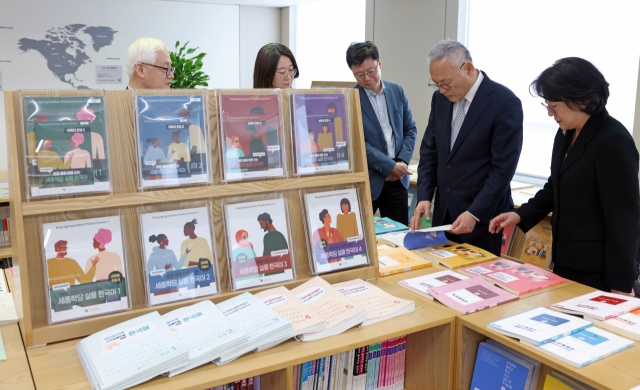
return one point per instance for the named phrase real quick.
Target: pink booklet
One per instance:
(498, 264)
(524, 278)
(471, 295)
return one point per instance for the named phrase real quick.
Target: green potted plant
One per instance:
(188, 72)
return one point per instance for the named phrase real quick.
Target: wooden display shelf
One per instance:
(5, 251)
(429, 359)
(15, 373)
(619, 371)
(9, 279)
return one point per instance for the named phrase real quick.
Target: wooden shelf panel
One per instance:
(187, 193)
(428, 317)
(15, 373)
(5, 251)
(619, 371)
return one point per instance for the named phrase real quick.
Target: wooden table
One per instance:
(15, 373)
(619, 371)
(429, 361)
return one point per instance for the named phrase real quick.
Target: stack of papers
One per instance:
(539, 326)
(397, 260)
(130, 353)
(262, 325)
(455, 256)
(380, 305)
(598, 305)
(205, 332)
(523, 279)
(287, 304)
(339, 312)
(586, 346)
(422, 284)
(498, 264)
(471, 295)
(8, 313)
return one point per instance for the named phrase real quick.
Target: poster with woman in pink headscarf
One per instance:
(66, 147)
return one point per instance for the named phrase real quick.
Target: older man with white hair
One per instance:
(470, 149)
(148, 65)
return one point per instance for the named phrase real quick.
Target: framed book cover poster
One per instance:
(251, 136)
(178, 255)
(321, 133)
(172, 139)
(85, 268)
(335, 235)
(537, 244)
(259, 245)
(66, 146)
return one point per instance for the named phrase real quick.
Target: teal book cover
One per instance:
(388, 225)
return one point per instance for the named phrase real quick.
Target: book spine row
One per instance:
(5, 236)
(252, 383)
(378, 366)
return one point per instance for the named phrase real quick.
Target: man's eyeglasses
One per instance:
(370, 73)
(167, 70)
(291, 73)
(549, 109)
(446, 87)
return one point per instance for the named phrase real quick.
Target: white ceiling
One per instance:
(255, 3)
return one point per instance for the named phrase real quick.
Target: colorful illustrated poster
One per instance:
(86, 273)
(258, 243)
(178, 255)
(251, 136)
(172, 140)
(66, 145)
(320, 133)
(334, 228)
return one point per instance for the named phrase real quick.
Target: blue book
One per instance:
(387, 225)
(496, 369)
(536, 364)
(417, 238)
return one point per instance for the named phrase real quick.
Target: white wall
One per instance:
(229, 34)
(404, 31)
(258, 26)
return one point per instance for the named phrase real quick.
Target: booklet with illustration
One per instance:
(177, 255)
(540, 325)
(259, 248)
(85, 268)
(131, 352)
(386, 225)
(66, 148)
(173, 140)
(321, 133)
(413, 239)
(251, 136)
(627, 324)
(380, 305)
(454, 255)
(335, 236)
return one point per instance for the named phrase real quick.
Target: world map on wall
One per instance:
(65, 51)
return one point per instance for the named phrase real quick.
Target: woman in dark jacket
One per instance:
(593, 188)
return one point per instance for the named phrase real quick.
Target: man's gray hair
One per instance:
(453, 51)
(143, 50)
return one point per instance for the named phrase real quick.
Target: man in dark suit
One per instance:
(148, 65)
(470, 148)
(389, 132)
